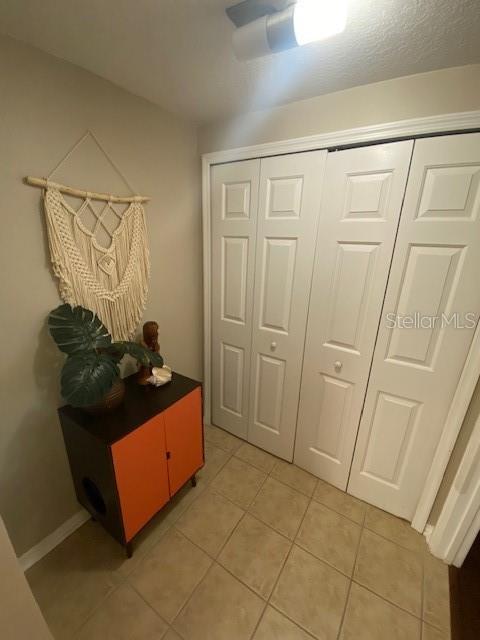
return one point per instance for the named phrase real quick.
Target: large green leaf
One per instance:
(118, 349)
(86, 378)
(76, 329)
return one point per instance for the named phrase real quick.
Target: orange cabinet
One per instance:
(141, 473)
(126, 465)
(184, 439)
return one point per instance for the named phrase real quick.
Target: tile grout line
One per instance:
(218, 492)
(401, 546)
(246, 511)
(90, 615)
(170, 527)
(349, 590)
(149, 606)
(329, 564)
(385, 599)
(339, 513)
(291, 541)
(185, 604)
(274, 458)
(390, 602)
(269, 602)
(214, 562)
(309, 496)
(294, 543)
(422, 597)
(363, 527)
(125, 578)
(223, 431)
(370, 590)
(353, 580)
(198, 494)
(214, 559)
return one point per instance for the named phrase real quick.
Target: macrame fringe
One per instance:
(117, 294)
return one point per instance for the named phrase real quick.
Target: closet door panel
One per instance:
(359, 216)
(234, 225)
(289, 202)
(418, 359)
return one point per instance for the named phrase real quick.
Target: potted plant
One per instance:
(90, 376)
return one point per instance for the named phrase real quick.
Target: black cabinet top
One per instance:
(141, 403)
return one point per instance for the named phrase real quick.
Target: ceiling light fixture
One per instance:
(270, 26)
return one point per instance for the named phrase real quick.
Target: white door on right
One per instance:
(419, 354)
(360, 209)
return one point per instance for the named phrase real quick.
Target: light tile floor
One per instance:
(259, 550)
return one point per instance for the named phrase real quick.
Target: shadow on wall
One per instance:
(37, 445)
(36, 491)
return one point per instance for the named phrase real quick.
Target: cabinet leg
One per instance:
(193, 480)
(129, 549)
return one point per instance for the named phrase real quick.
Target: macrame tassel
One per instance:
(111, 282)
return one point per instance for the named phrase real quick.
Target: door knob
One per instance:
(338, 365)
(273, 346)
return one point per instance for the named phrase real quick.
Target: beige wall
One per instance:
(45, 106)
(425, 94)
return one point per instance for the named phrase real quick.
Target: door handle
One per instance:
(338, 365)
(273, 346)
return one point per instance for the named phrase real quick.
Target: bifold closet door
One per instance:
(234, 197)
(361, 204)
(418, 358)
(289, 204)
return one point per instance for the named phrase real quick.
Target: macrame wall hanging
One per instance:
(99, 253)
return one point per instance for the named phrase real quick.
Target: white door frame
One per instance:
(468, 541)
(459, 521)
(453, 423)
(442, 124)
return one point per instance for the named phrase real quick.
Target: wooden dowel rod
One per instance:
(41, 182)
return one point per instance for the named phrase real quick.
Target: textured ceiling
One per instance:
(177, 53)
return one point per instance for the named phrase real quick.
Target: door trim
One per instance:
(468, 541)
(459, 520)
(404, 129)
(458, 409)
(387, 132)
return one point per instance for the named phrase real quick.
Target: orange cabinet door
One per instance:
(140, 463)
(184, 438)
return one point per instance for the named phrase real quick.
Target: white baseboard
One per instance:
(41, 549)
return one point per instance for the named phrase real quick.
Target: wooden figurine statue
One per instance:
(150, 341)
(150, 336)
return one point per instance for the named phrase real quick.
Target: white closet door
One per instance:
(415, 372)
(290, 192)
(234, 227)
(361, 204)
